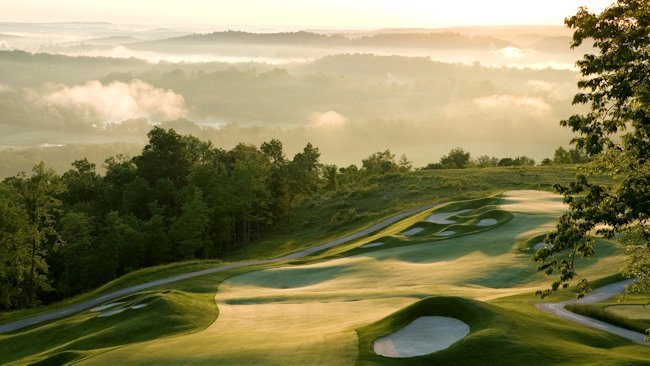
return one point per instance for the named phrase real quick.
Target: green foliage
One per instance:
(485, 161)
(14, 246)
(615, 133)
(380, 162)
(457, 158)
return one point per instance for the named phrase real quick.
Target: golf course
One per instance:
(448, 283)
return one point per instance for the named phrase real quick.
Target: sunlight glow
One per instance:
(299, 13)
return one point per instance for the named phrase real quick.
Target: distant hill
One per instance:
(239, 37)
(431, 40)
(444, 40)
(8, 36)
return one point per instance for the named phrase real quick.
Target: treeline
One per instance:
(180, 198)
(458, 158)
(450, 40)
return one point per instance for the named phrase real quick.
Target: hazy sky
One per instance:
(308, 13)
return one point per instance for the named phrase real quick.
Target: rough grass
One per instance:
(627, 311)
(173, 309)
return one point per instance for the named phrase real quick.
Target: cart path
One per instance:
(600, 294)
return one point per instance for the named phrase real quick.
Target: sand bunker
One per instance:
(413, 231)
(138, 306)
(425, 335)
(111, 312)
(372, 245)
(446, 233)
(107, 306)
(487, 222)
(443, 217)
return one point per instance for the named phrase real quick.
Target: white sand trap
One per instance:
(138, 306)
(533, 202)
(413, 231)
(443, 217)
(107, 306)
(425, 335)
(446, 233)
(541, 245)
(111, 312)
(372, 245)
(487, 222)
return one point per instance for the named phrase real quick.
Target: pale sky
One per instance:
(308, 13)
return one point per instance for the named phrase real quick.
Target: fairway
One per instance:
(303, 314)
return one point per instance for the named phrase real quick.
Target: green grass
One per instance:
(309, 310)
(334, 214)
(133, 278)
(465, 225)
(503, 333)
(311, 221)
(174, 309)
(306, 313)
(627, 311)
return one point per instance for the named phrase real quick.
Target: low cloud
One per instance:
(328, 120)
(533, 105)
(553, 89)
(511, 52)
(156, 57)
(118, 101)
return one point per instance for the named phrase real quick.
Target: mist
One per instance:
(491, 90)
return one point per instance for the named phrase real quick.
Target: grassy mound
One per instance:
(167, 312)
(506, 332)
(475, 314)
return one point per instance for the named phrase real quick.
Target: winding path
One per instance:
(600, 294)
(87, 304)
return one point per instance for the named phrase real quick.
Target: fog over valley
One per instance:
(491, 90)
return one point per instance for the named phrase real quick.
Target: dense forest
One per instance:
(180, 198)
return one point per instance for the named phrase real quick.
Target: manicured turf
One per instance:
(330, 308)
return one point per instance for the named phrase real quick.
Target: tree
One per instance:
(523, 161)
(330, 173)
(190, 228)
(165, 156)
(380, 162)
(39, 196)
(616, 134)
(14, 246)
(485, 161)
(456, 159)
(304, 172)
(405, 164)
(506, 162)
(278, 180)
(561, 156)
